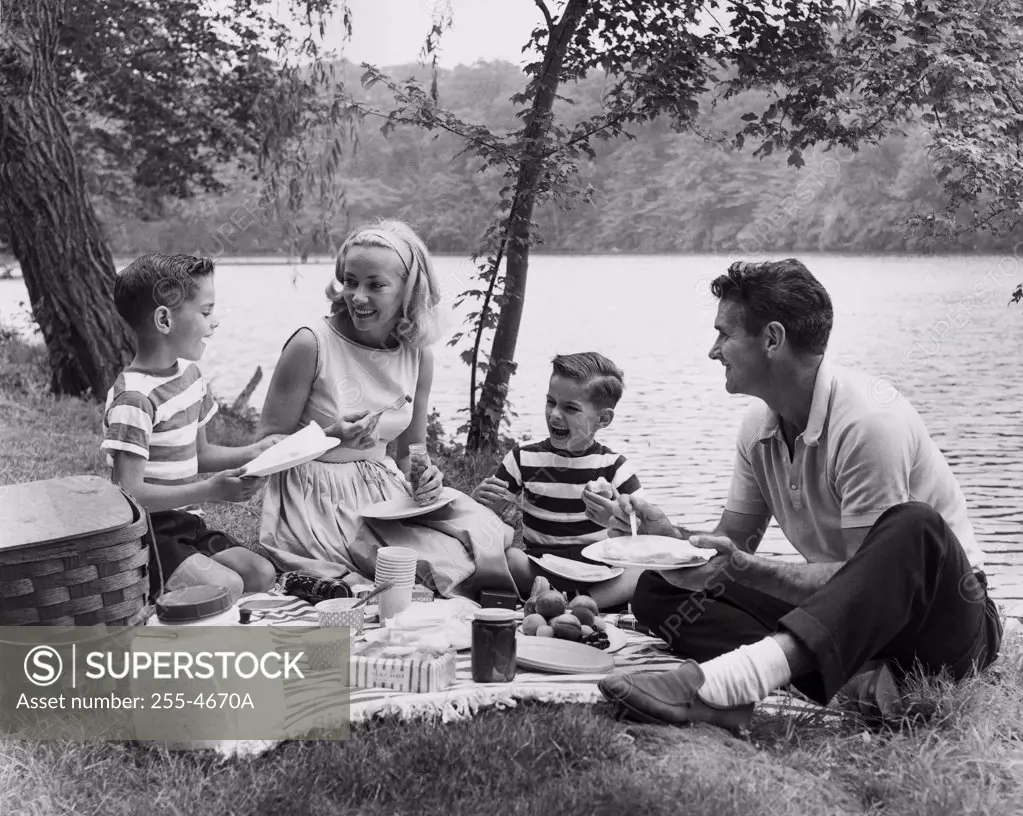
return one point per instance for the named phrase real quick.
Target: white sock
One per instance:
(746, 675)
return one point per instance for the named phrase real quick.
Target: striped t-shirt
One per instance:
(552, 482)
(158, 418)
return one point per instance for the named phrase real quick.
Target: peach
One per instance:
(532, 623)
(551, 603)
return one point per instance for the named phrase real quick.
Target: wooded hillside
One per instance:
(661, 192)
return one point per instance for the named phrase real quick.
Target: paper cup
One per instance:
(337, 612)
(400, 578)
(397, 565)
(393, 601)
(395, 562)
(327, 651)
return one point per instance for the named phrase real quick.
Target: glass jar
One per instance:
(493, 645)
(419, 461)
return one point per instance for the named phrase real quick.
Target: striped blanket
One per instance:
(464, 698)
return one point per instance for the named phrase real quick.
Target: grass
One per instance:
(958, 751)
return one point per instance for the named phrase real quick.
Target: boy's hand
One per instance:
(493, 493)
(651, 519)
(268, 442)
(357, 431)
(231, 486)
(599, 498)
(430, 484)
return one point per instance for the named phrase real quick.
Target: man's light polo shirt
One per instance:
(857, 457)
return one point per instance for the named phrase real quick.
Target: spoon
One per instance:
(374, 593)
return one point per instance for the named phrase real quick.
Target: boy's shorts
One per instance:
(180, 535)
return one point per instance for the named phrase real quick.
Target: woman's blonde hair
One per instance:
(419, 324)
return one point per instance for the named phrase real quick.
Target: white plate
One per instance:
(615, 636)
(560, 656)
(405, 507)
(679, 553)
(297, 449)
(575, 570)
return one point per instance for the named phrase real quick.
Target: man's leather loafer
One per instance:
(670, 698)
(872, 693)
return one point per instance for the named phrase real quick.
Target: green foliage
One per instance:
(954, 66)
(661, 191)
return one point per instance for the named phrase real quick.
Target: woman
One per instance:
(370, 350)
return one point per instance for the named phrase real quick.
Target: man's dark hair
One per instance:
(604, 381)
(782, 291)
(157, 280)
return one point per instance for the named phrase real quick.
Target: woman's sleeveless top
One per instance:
(351, 378)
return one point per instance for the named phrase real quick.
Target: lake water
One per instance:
(936, 328)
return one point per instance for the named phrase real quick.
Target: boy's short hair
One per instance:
(155, 280)
(604, 381)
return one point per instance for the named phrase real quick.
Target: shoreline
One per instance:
(10, 269)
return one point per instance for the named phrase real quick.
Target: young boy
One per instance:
(154, 428)
(564, 476)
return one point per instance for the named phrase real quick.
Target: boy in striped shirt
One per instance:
(154, 428)
(561, 477)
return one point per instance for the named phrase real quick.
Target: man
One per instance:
(892, 572)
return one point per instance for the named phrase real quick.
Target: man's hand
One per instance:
(702, 577)
(430, 484)
(357, 431)
(709, 541)
(231, 486)
(494, 493)
(727, 561)
(651, 519)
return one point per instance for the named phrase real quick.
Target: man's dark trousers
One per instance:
(908, 596)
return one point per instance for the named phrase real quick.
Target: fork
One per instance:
(394, 406)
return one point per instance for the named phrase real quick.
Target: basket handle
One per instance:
(142, 516)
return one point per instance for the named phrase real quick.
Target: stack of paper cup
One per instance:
(397, 564)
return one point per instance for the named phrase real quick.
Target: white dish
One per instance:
(406, 507)
(560, 656)
(615, 636)
(301, 447)
(575, 570)
(651, 552)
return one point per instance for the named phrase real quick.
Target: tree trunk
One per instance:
(55, 235)
(485, 423)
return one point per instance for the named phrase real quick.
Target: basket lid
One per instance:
(192, 603)
(55, 510)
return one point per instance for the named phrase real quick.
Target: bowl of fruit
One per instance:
(549, 614)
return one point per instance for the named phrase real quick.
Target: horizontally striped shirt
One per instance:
(158, 418)
(552, 482)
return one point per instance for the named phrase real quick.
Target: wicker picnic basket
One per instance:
(74, 551)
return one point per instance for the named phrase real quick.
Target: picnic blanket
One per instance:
(464, 698)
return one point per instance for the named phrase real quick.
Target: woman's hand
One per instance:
(430, 485)
(357, 431)
(651, 519)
